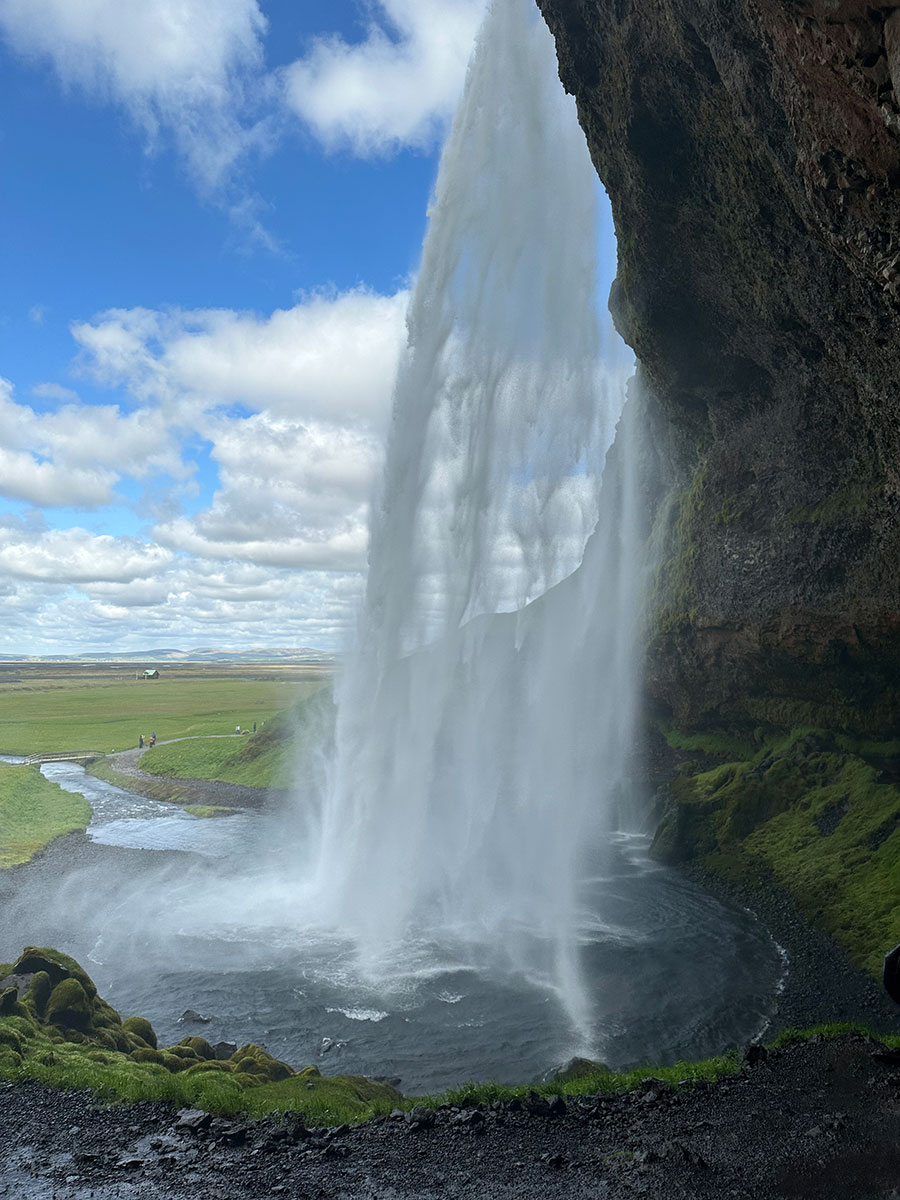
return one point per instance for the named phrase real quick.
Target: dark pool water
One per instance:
(169, 912)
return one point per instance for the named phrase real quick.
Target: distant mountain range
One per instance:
(257, 654)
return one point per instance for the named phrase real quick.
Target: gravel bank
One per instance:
(817, 1120)
(821, 984)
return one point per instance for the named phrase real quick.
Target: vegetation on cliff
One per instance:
(818, 813)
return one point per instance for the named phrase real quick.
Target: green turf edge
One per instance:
(338, 1100)
(34, 812)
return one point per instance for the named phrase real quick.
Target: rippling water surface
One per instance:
(171, 912)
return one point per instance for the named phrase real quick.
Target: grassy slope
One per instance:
(269, 758)
(819, 818)
(33, 812)
(227, 760)
(111, 718)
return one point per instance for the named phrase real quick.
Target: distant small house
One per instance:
(151, 673)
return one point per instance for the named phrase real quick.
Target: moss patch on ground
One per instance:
(808, 809)
(207, 811)
(34, 811)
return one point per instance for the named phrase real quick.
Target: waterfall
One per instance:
(484, 714)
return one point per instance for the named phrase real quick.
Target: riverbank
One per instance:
(822, 985)
(33, 813)
(122, 770)
(816, 1119)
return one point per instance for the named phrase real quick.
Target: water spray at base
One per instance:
(484, 715)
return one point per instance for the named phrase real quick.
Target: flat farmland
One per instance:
(48, 707)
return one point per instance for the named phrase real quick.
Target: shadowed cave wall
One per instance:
(751, 151)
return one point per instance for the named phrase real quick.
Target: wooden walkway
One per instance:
(76, 756)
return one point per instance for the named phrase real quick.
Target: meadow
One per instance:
(33, 812)
(105, 708)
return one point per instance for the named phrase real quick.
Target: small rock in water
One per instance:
(224, 1050)
(328, 1044)
(189, 1017)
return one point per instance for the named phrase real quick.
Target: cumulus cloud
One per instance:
(396, 88)
(77, 556)
(292, 408)
(332, 358)
(186, 70)
(76, 454)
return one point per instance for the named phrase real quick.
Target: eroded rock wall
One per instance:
(751, 150)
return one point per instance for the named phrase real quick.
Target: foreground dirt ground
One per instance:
(819, 1119)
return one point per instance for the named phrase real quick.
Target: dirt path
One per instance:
(819, 1120)
(190, 791)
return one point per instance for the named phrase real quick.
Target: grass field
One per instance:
(105, 708)
(267, 759)
(230, 760)
(33, 812)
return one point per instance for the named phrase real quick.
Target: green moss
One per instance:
(841, 504)
(39, 992)
(69, 1006)
(200, 1046)
(142, 1028)
(822, 823)
(206, 811)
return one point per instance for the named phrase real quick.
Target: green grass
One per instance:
(208, 810)
(109, 718)
(33, 812)
(269, 758)
(823, 824)
(226, 760)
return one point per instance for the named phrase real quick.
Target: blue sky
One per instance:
(210, 214)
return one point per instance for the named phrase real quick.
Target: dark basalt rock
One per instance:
(751, 151)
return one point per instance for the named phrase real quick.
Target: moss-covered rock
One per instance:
(69, 1006)
(9, 1001)
(146, 1054)
(200, 1046)
(57, 965)
(39, 992)
(68, 1033)
(254, 1060)
(141, 1028)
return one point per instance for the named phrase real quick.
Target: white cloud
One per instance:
(398, 87)
(333, 358)
(290, 409)
(183, 69)
(37, 313)
(54, 391)
(77, 556)
(76, 454)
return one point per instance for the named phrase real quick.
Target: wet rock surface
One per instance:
(751, 152)
(818, 1119)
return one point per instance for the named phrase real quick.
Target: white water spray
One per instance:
(479, 756)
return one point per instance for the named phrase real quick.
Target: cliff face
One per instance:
(751, 150)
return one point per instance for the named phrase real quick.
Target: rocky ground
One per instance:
(819, 1119)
